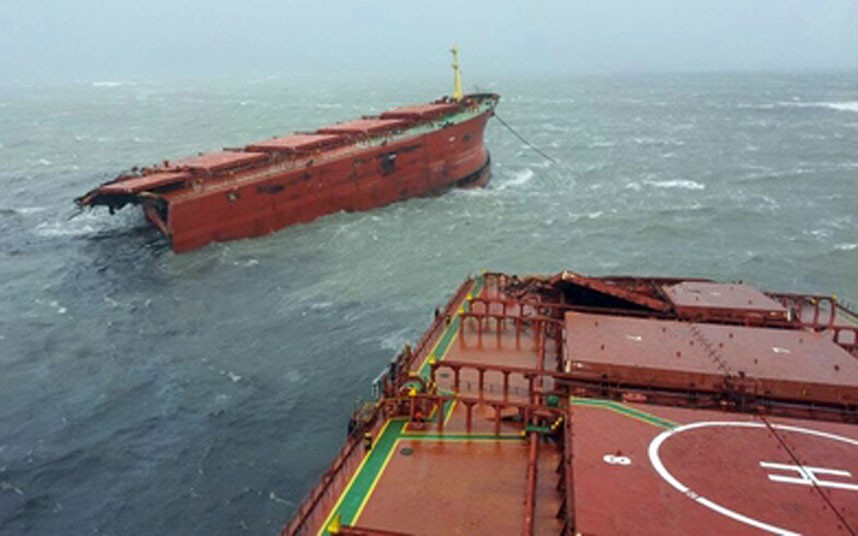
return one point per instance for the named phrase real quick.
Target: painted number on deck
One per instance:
(613, 459)
(809, 476)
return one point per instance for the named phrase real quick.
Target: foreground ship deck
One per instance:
(578, 405)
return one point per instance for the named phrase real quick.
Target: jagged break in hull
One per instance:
(406, 152)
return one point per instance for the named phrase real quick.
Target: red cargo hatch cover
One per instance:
(364, 126)
(642, 469)
(777, 363)
(697, 296)
(218, 161)
(420, 111)
(145, 183)
(295, 142)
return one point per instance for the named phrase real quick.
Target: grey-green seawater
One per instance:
(147, 393)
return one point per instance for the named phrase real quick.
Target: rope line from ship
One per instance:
(814, 485)
(530, 144)
(525, 140)
(730, 385)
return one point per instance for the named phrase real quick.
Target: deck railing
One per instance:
(322, 487)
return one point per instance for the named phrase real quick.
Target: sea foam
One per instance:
(840, 106)
(110, 83)
(518, 179)
(686, 184)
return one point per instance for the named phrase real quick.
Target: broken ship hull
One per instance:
(407, 152)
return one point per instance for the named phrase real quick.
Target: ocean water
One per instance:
(147, 393)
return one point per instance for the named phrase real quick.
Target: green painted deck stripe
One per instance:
(459, 437)
(479, 281)
(444, 343)
(625, 410)
(442, 347)
(370, 471)
(448, 405)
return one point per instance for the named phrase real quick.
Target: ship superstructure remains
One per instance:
(606, 405)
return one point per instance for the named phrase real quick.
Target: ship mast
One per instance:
(457, 79)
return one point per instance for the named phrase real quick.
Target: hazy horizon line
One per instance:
(363, 76)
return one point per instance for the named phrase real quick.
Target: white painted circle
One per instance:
(682, 488)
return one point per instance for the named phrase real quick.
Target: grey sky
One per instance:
(114, 39)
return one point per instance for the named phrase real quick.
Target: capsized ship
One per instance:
(571, 404)
(358, 165)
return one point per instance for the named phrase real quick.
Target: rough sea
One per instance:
(145, 393)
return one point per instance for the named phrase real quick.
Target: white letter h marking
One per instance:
(809, 476)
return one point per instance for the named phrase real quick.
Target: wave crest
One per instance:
(519, 178)
(840, 106)
(678, 183)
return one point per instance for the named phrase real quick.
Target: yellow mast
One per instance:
(457, 81)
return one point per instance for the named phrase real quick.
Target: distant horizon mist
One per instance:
(84, 40)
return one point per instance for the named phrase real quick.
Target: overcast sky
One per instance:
(56, 40)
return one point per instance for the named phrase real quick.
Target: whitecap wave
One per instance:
(679, 183)
(846, 247)
(395, 341)
(26, 211)
(551, 127)
(851, 106)
(519, 178)
(84, 224)
(840, 106)
(233, 377)
(111, 83)
(601, 145)
(55, 229)
(274, 497)
(58, 307)
(647, 141)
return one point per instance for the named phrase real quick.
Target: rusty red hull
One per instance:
(408, 152)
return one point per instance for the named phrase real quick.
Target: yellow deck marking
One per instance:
(441, 337)
(349, 485)
(375, 482)
(405, 429)
(414, 436)
(369, 493)
(450, 413)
